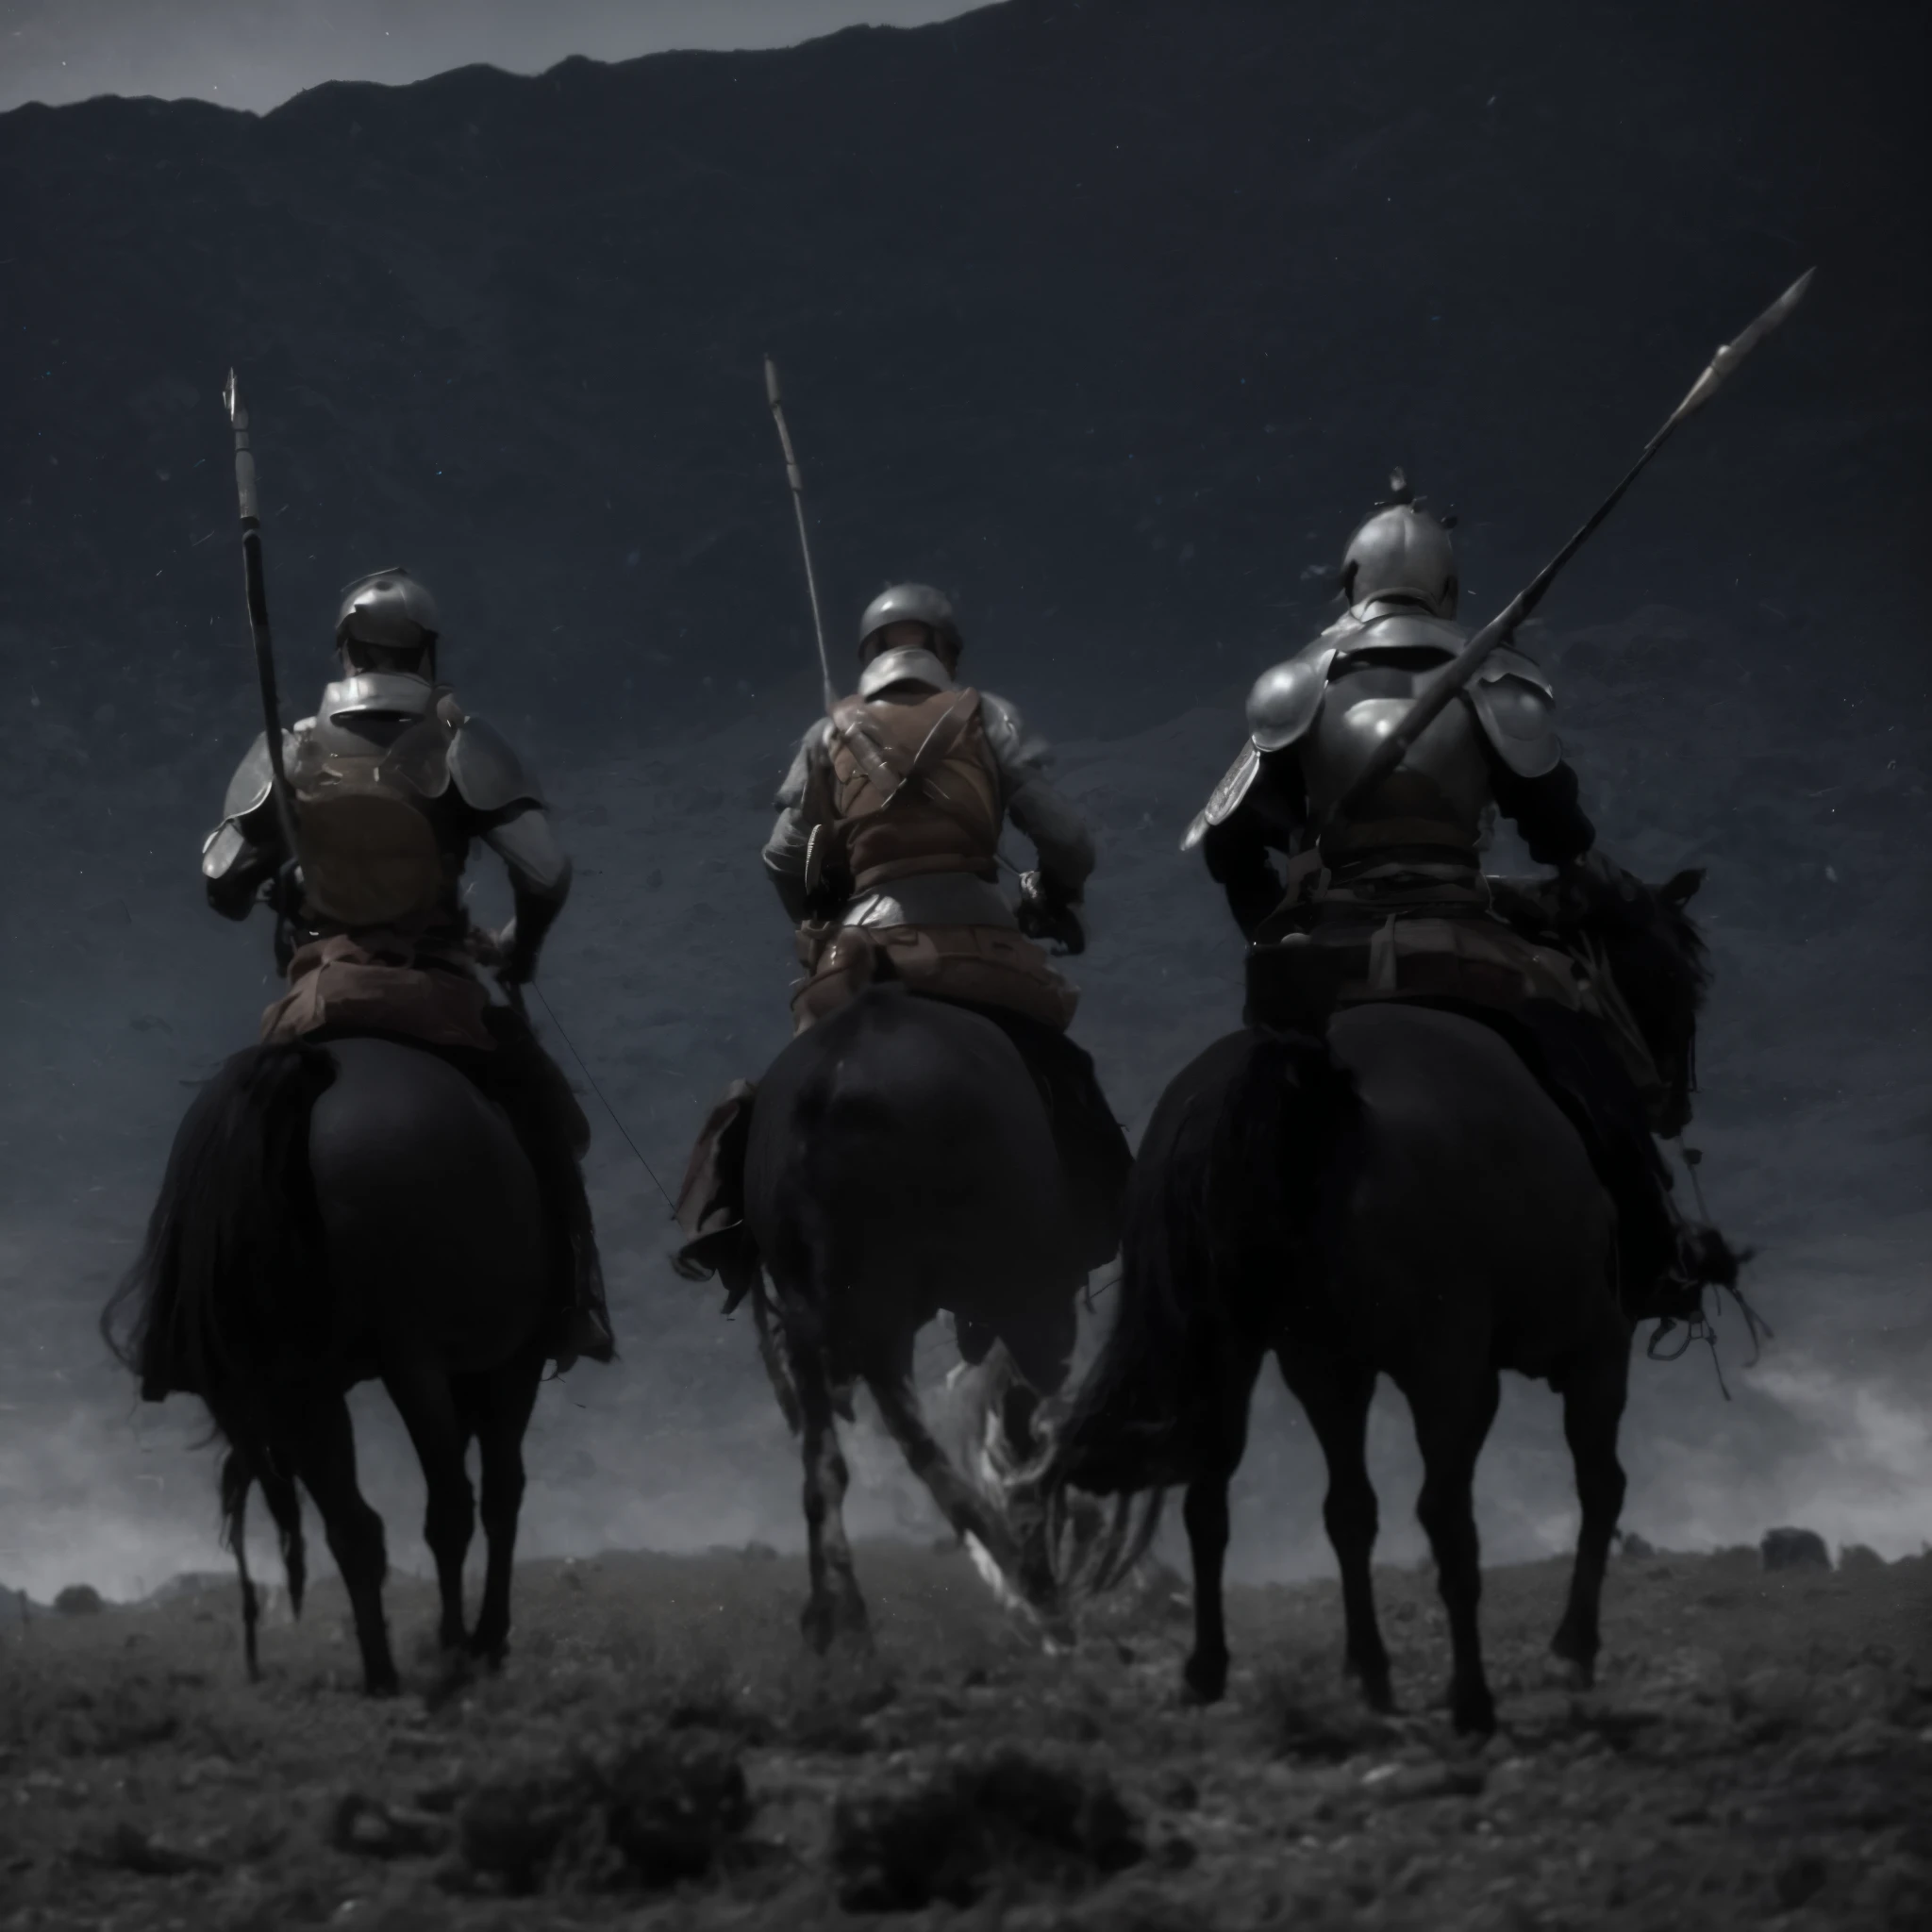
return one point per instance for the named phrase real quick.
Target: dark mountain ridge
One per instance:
(1110, 316)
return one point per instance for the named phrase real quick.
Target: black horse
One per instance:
(901, 1161)
(1399, 1198)
(332, 1213)
(1395, 1193)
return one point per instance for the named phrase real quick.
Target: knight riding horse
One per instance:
(932, 1139)
(388, 1184)
(1389, 900)
(394, 782)
(886, 857)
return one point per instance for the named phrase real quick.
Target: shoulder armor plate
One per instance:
(220, 849)
(1284, 701)
(486, 770)
(1020, 753)
(1504, 663)
(1516, 708)
(1221, 802)
(253, 779)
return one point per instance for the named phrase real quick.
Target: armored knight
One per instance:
(891, 813)
(392, 782)
(1389, 898)
(885, 856)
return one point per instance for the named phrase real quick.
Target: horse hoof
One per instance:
(1204, 1681)
(1568, 1674)
(382, 1683)
(1058, 1636)
(827, 1624)
(1474, 1713)
(1378, 1695)
(1578, 1654)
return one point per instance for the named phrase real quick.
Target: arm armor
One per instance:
(540, 875)
(486, 770)
(1270, 814)
(785, 850)
(538, 868)
(1237, 855)
(243, 851)
(1056, 829)
(1547, 812)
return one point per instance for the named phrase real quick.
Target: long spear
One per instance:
(257, 593)
(1502, 626)
(796, 479)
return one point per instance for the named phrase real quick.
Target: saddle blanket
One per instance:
(984, 965)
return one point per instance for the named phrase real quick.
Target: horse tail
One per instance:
(232, 1261)
(1220, 1214)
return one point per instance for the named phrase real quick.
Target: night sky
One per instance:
(1110, 318)
(253, 53)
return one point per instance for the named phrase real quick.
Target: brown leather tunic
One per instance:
(915, 787)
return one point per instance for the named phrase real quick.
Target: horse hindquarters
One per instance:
(903, 1142)
(432, 1215)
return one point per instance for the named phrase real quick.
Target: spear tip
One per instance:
(1795, 294)
(772, 395)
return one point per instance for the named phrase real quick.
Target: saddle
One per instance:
(1464, 958)
(381, 982)
(982, 965)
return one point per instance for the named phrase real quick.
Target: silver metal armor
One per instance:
(389, 609)
(392, 735)
(909, 603)
(1402, 551)
(1339, 696)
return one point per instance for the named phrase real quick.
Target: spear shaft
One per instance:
(256, 590)
(796, 478)
(1502, 626)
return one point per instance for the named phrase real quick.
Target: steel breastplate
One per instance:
(366, 775)
(1439, 795)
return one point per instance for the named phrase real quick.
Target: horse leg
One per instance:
(1592, 1388)
(835, 1607)
(960, 1503)
(322, 1448)
(1204, 1512)
(1453, 1413)
(500, 1411)
(1334, 1392)
(427, 1405)
(1040, 1352)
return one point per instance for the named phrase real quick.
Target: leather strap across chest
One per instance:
(915, 788)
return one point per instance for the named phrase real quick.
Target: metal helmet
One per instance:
(908, 603)
(389, 609)
(1402, 551)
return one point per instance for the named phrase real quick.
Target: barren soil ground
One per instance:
(659, 1754)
